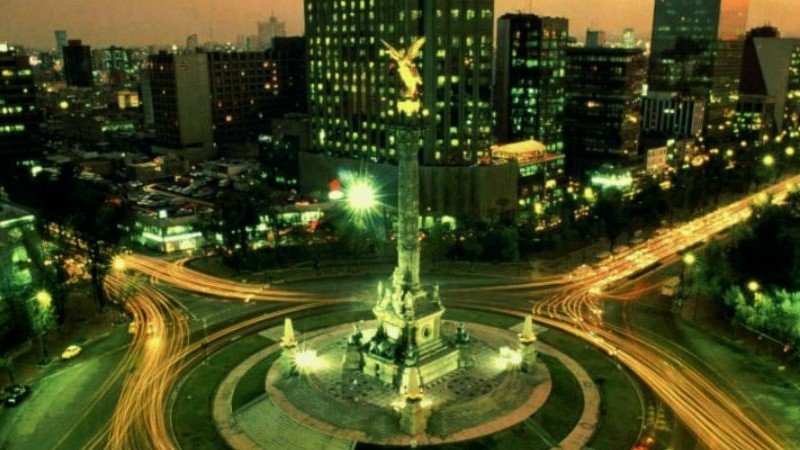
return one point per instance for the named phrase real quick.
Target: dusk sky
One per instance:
(142, 22)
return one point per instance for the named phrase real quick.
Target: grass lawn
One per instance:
(192, 420)
(193, 424)
(195, 429)
(252, 383)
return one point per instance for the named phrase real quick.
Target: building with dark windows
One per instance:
(279, 151)
(670, 115)
(177, 93)
(289, 54)
(19, 116)
(352, 90)
(595, 38)
(683, 41)
(269, 30)
(724, 87)
(61, 42)
(244, 95)
(541, 178)
(530, 79)
(771, 68)
(603, 107)
(78, 64)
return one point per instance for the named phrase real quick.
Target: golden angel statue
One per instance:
(409, 74)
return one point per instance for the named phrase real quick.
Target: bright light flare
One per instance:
(689, 259)
(509, 359)
(119, 263)
(361, 196)
(44, 299)
(308, 361)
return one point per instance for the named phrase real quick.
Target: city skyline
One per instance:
(145, 23)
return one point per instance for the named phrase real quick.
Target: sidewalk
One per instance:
(83, 325)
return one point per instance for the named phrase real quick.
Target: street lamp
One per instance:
(44, 299)
(118, 263)
(769, 160)
(689, 259)
(753, 286)
(790, 151)
(361, 196)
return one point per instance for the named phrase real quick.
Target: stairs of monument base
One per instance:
(270, 428)
(456, 417)
(361, 416)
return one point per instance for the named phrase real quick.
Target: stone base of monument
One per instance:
(414, 418)
(466, 403)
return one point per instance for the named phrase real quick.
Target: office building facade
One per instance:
(603, 107)
(530, 79)
(289, 54)
(78, 64)
(269, 30)
(244, 95)
(19, 116)
(671, 115)
(178, 92)
(353, 87)
(683, 40)
(771, 68)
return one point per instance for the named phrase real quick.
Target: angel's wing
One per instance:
(413, 51)
(392, 51)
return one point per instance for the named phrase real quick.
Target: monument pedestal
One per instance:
(414, 418)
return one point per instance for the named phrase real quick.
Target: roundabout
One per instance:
(474, 402)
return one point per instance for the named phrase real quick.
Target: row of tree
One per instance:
(756, 274)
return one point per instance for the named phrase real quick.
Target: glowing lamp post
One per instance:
(753, 286)
(361, 196)
(44, 299)
(118, 263)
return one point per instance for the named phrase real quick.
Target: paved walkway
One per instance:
(240, 429)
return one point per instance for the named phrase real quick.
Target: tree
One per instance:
(235, 213)
(769, 250)
(40, 318)
(610, 210)
(7, 363)
(99, 221)
(649, 204)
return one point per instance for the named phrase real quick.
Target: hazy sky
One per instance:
(141, 22)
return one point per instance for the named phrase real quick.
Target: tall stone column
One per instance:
(408, 250)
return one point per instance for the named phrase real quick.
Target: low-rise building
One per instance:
(540, 175)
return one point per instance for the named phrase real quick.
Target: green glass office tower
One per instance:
(684, 36)
(352, 93)
(530, 79)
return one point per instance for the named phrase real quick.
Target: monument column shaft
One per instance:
(408, 249)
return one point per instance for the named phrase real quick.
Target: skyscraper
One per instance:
(78, 64)
(289, 53)
(595, 38)
(628, 38)
(603, 106)
(771, 69)
(352, 91)
(682, 45)
(269, 30)
(19, 117)
(180, 100)
(244, 94)
(61, 42)
(530, 79)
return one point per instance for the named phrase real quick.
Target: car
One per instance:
(16, 394)
(71, 352)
